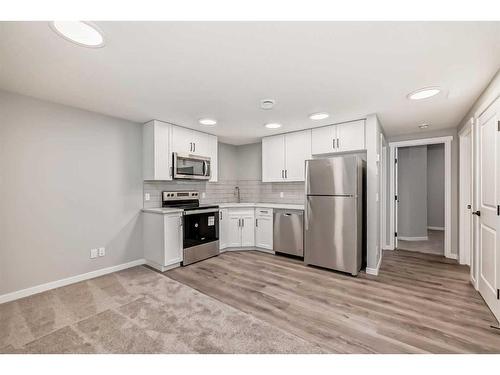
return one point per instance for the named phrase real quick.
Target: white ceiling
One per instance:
(181, 71)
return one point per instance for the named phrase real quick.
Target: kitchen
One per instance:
(191, 226)
(232, 187)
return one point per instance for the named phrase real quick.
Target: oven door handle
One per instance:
(201, 211)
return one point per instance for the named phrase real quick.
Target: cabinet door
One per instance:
(234, 231)
(214, 155)
(323, 140)
(273, 158)
(173, 239)
(200, 143)
(351, 136)
(182, 140)
(223, 229)
(264, 231)
(248, 230)
(297, 151)
(155, 147)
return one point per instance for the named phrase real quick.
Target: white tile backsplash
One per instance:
(224, 192)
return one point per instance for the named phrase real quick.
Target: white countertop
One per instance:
(285, 206)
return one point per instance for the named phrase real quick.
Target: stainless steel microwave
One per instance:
(191, 167)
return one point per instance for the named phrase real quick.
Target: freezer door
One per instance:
(333, 176)
(332, 233)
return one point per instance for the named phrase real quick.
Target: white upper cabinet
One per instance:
(297, 151)
(284, 156)
(349, 136)
(323, 140)
(273, 158)
(160, 140)
(187, 141)
(156, 159)
(213, 153)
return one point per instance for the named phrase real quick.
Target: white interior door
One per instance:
(466, 198)
(489, 199)
(297, 151)
(273, 158)
(396, 197)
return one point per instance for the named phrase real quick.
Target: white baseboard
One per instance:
(436, 228)
(388, 247)
(374, 271)
(70, 280)
(425, 238)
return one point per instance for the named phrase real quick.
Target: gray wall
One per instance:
(227, 162)
(454, 174)
(412, 191)
(70, 180)
(250, 161)
(435, 185)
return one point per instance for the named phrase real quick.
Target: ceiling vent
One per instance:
(267, 103)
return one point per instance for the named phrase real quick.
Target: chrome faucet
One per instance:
(237, 193)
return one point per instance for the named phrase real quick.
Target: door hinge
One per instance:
(498, 293)
(395, 161)
(395, 234)
(396, 198)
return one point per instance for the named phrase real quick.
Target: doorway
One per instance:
(421, 190)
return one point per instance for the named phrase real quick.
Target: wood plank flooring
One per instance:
(419, 303)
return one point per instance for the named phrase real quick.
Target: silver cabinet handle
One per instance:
(190, 146)
(257, 223)
(220, 212)
(286, 173)
(333, 143)
(338, 143)
(242, 222)
(194, 147)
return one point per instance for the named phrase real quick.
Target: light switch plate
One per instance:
(203, 194)
(93, 253)
(102, 251)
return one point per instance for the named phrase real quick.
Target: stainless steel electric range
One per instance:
(201, 225)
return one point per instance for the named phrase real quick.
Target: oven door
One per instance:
(191, 167)
(200, 227)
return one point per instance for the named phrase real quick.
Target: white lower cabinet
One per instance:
(163, 240)
(223, 228)
(264, 228)
(243, 228)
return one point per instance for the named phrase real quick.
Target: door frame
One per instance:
(466, 175)
(447, 187)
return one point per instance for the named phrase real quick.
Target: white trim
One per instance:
(423, 238)
(67, 281)
(435, 228)
(447, 186)
(374, 271)
(388, 248)
(466, 131)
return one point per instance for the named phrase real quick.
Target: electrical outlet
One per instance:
(147, 197)
(203, 194)
(102, 251)
(93, 253)
(281, 194)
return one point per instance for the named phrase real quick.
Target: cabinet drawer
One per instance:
(263, 212)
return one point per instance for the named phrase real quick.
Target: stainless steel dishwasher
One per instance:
(288, 232)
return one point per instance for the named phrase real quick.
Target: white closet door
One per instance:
(297, 151)
(489, 199)
(273, 158)
(351, 136)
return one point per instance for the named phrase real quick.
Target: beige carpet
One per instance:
(136, 311)
(434, 245)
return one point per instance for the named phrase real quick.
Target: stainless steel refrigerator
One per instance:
(334, 213)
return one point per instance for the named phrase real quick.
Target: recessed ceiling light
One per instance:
(423, 126)
(319, 116)
(79, 32)
(424, 93)
(207, 121)
(273, 125)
